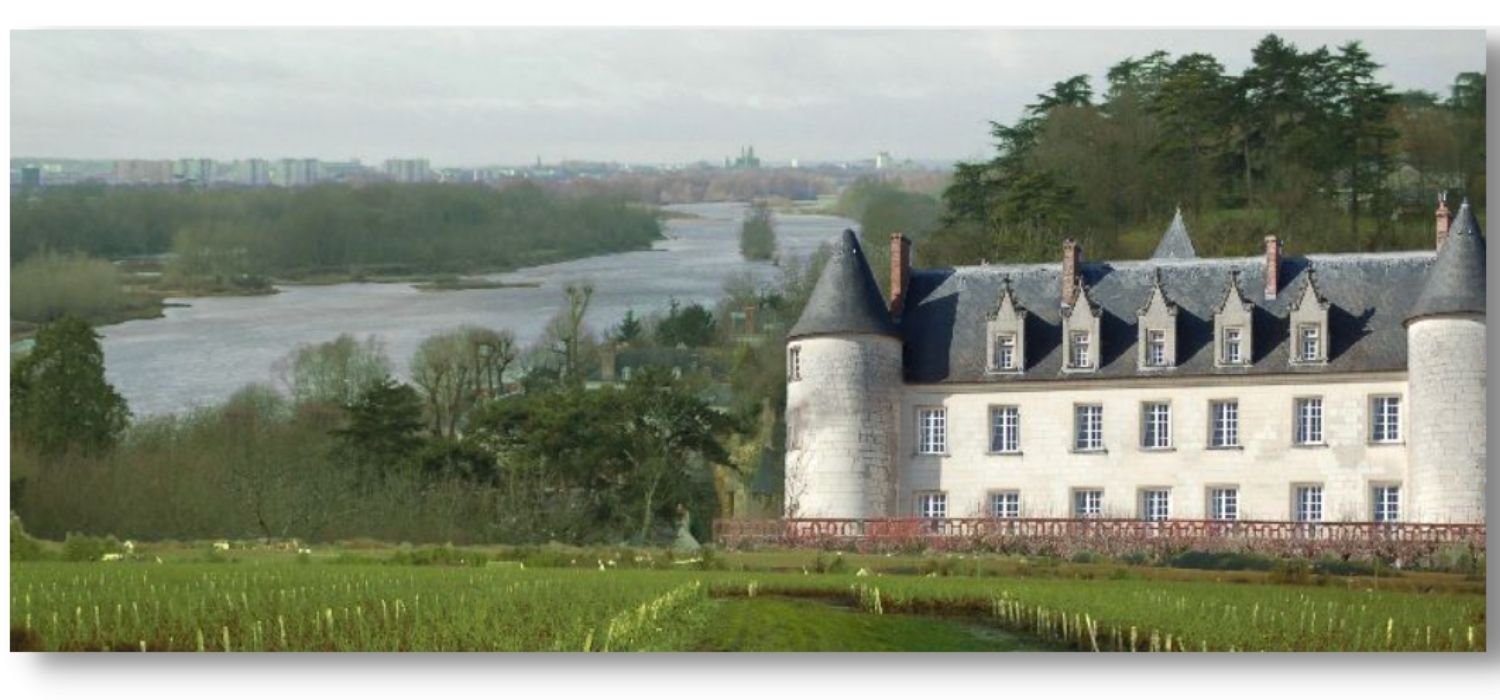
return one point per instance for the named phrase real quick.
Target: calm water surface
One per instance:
(200, 354)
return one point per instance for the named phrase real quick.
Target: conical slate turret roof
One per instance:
(1175, 244)
(1455, 283)
(846, 299)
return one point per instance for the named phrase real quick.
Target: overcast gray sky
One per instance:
(507, 96)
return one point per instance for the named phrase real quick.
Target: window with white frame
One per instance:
(1234, 352)
(1005, 504)
(1156, 425)
(1225, 424)
(1078, 345)
(1156, 505)
(1224, 503)
(1088, 427)
(1156, 348)
(1385, 419)
(1309, 343)
(1309, 503)
(1310, 421)
(1386, 500)
(1005, 351)
(932, 505)
(932, 431)
(1005, 429)
(1088, 503)
(794, 363)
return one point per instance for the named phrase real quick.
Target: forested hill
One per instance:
(1304, 144)
(376, 228)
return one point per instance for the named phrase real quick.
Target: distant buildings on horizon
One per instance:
(305, 172)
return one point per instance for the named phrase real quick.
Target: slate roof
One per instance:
(1456, 283)
(846, 299)
(1370, 296)
(1175, 243)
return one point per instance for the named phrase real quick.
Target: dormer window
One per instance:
(1157, 320)
(1078, 356)
(1007, 333)
(1005, 352)
(1156, 348)
(1309, 325)
(1233, 353)
(1232, 325)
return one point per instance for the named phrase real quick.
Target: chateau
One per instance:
(1346, 387)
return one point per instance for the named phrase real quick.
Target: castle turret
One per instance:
(1445, 338)
(843, 387)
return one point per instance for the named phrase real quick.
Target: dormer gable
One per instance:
(1233, 326)
(1080, 326)
(1006, 333)
(1308, 324)
(1156, 329)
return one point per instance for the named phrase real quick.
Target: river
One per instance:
(199, 354)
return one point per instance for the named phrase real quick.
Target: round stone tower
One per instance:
(843, 389)
(1445, 341)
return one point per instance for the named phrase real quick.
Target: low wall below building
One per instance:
(1395, 542)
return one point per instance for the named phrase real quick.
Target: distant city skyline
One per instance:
(473, 98)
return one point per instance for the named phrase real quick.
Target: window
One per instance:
(1233, 346)
(1005, 351)
(1156, 505)
(1079, 344)
(1385, 419)
(932, 505)
(1005, 504)
(1088, 427)
(1088, 503)
(1005, 429)
(1156, 348)
(1225, 428)
(1309, 504)
(932, 431)
(1224, 503)
(1156, 425)
(1309, 343)
(794, 363)
(1387, 502)
(1310, 421)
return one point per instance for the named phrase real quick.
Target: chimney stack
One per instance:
(1273, 267)
(900, 272)
(1444, 219)
(1072, 257)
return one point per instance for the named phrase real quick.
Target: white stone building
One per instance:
(1343, 387)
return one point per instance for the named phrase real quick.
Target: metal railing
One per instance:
(1109, 536)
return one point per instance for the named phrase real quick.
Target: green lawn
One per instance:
(788, 624)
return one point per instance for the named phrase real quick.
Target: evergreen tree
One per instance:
(60, 400)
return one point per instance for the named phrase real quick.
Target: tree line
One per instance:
(236, 235)
(1305, 144)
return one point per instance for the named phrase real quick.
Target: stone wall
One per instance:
(1447, 426)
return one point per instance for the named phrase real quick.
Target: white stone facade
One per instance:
(842, 400)
(1447, 434)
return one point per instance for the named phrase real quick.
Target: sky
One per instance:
(511, 96)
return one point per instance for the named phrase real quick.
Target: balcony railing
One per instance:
(1065, 536)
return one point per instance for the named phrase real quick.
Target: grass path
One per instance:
(782, 624)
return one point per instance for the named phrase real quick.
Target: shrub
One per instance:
(1221, 561)
(1291, 571)
(942, 567)
(78, 547)
(446, 555)
(23, 547)
(830, 565)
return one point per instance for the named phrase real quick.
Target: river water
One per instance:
(200, 354)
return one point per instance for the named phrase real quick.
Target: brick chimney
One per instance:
(1273, 266)
(1444, 219)
(1071, 262)
(900, 271)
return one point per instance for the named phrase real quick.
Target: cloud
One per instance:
(506, 96)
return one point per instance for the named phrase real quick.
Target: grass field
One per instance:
(640, 600)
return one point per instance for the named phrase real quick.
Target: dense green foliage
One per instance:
(48, 286)
(1305, 144)
(691, 326)
(883, 208)
(59, 398)
(758, 233)
(233, 237)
